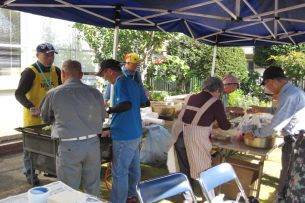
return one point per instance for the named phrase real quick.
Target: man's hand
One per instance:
(35, 112)
(106, 133)
(249, 135)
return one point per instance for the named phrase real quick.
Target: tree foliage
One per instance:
(229, 60)
(186, 58)
(293, 63)
(252, 86)
(263, 54)
(101, 40)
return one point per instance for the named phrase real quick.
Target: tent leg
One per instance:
(214, 61)
(114, 55)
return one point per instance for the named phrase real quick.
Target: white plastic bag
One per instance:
(172, 161)
(156, 146)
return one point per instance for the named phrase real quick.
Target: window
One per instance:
(10, 50)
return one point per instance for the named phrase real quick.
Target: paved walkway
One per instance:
(11, 115)
(12, 180)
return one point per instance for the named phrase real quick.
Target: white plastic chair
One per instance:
(216, 176)
(163, 187)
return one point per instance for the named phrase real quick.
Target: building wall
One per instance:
(20, 33)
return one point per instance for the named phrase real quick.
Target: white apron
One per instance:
(196, 138)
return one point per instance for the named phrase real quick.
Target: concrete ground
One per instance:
(13, 182)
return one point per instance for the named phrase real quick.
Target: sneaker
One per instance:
(132, 199)
(35, 180)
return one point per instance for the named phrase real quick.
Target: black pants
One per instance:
(287, 151)
(182, 159)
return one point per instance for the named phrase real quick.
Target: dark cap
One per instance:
(273, 72)
(111, 64)
(45, 48)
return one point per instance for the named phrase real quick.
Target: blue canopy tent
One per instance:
(214, 22)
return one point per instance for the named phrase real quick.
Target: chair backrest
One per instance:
(163, 187)
(216, 176)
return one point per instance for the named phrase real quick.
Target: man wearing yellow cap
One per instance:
(129, 69)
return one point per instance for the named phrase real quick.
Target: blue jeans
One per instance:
(27, 165)
(126, 171)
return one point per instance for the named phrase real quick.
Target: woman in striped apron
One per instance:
(191, 131)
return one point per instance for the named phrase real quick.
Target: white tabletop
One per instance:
(54, 187)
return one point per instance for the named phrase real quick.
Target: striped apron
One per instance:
(196, 138)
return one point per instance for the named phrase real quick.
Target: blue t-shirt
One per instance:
(127, 125)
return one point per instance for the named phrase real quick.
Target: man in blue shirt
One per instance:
(125, 130)
(129, 69)
(289, 118)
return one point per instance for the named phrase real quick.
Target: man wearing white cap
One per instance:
(35, 81)
(230, 84)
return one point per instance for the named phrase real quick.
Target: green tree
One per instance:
(252, 86)
(263, 53)
(173, 69)
(143, 43)
(293, 63)
(198, 56)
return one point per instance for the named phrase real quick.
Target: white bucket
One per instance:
(38, 195)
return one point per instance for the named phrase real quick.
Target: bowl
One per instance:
(164, 110)
(260, 142)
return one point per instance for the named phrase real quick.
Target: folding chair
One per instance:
(216, 176)
(157, 189)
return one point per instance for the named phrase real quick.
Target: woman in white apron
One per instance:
(191, 131)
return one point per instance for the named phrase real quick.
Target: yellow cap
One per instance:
(132, 58)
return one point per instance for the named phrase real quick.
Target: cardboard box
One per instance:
(247, 173)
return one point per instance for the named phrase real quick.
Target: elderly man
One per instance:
(289, 118)
(77, 113)
(35, 81)
(230, 84)
(126, 131)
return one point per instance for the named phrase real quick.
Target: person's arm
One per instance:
(46, 110)
(107, 92)
(281, 119)
(121, 107)
(139, 78)
(220, 116)
(25, 84)
(144, 99)
(58, 72)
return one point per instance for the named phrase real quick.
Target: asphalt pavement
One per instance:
(12, 180)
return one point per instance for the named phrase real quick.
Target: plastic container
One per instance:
(38, 195)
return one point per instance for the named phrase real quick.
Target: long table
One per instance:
(55, 187)
(231, 146)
